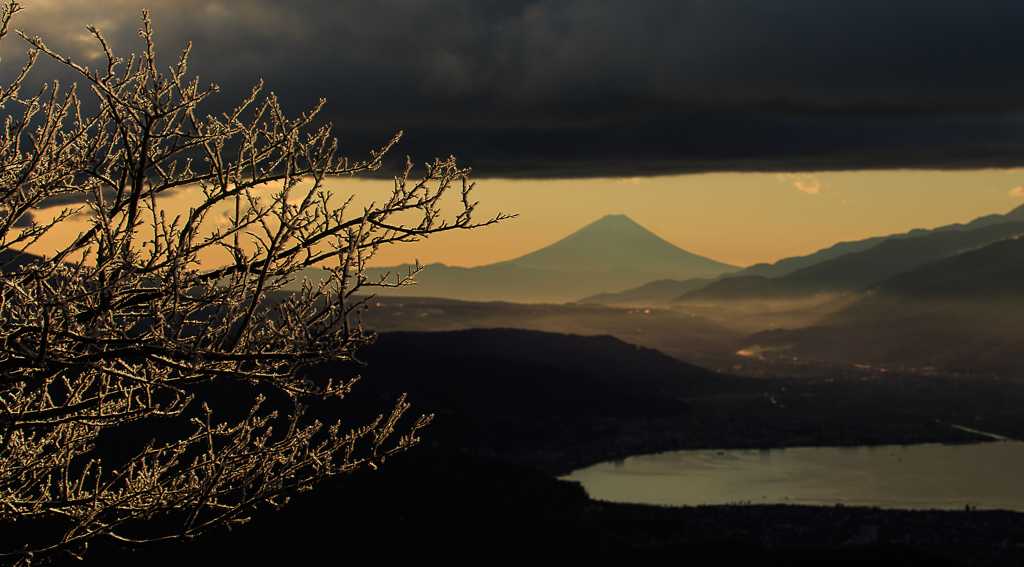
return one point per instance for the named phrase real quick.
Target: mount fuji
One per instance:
(611, 254)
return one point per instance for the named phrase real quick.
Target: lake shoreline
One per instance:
(929, 476)
(466, 509)
(663, 435)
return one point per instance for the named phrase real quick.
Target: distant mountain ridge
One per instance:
(789, 265)
(857, 269)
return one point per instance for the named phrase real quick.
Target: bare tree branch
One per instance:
(121, 325)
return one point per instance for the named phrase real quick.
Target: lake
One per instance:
(931, 476)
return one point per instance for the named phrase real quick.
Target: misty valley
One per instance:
(613, 346)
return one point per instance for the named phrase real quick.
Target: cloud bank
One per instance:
(584, 88)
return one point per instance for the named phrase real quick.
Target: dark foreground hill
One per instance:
(11, 261)
(527, 396)
(440, 508)
(553, 402)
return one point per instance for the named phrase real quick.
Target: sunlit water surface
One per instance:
(933, 476)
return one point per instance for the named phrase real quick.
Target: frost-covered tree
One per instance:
(122, 325)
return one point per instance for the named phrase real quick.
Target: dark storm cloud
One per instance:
(24, 221)
(578, 88)
(73, 200)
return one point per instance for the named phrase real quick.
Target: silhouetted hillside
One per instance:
(993, 272)
(515, 393)
(11, 260)
(598, 358)
(856, 270)
(652, 293)
(790, 265)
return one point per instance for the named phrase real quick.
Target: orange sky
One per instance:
(737, 218)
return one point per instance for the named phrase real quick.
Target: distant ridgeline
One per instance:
(850, 266)
(615, 261)
(612, 254)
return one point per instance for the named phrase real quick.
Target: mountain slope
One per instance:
(993, 272)
(653, 293)
(858, 269)
(960, 313)
(609, 255)
(11, 261)
(790, 265)
(616, 242)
